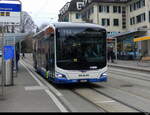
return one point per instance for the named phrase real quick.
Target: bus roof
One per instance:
(70, 24)
(74, 24)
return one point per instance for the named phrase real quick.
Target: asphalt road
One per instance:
(125, 91)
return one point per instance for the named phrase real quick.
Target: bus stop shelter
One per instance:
(127, 49)
(7, 70)
(145, 44)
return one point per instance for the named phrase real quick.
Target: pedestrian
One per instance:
(23, 55)
(110, 55)
(17, 59)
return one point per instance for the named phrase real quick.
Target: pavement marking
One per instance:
(106, 102)
(50, 94)
(34, 88)
(50, 86)
(56, 92)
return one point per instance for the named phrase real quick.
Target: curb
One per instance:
(129, 67)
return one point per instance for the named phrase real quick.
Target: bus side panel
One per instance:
(51, 60)
(44, 53)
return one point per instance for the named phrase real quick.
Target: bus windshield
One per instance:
(81, 48)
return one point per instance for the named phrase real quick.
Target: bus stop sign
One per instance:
(10, 13)
(10, 7)
(9, 52)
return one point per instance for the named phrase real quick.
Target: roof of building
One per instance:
(111, 1)
(105, 1)
(73, 5)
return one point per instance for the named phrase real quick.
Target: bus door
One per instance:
(51, 59)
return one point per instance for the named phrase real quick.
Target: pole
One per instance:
(3, 65)
(20, 46)
(15, 65)
(116, 49)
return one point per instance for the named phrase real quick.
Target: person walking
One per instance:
(23, 55)
(110, 55)
(17, 59)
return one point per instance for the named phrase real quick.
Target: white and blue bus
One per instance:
(66, 52)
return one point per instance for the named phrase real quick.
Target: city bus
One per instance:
(66, 52)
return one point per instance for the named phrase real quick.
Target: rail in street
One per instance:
(126, 91)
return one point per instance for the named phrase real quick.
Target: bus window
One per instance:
(81, 48)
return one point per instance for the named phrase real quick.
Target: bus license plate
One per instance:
(83, 81)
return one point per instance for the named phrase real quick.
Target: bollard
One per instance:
(8, 73)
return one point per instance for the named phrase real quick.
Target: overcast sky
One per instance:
(43, 11)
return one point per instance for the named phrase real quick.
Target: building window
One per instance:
(78, 16)
(92, 10)
(149, 16)
(116, 22)
(132, 20)
(104, 9)
(80, 5)
(116, 9)
(137, 5)
(105, 22)
(119, 9)
(140, 18)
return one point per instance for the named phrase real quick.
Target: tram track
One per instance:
(130, 74)
(101, 108)
(136, 82)
(109, 104)
(139, 80)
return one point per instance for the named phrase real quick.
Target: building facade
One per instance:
(71, 11)
(123, 19)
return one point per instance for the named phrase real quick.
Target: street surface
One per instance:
(126, 91)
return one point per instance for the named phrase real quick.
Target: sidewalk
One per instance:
(26, 95)
(134, 65)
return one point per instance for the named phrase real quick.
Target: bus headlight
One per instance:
(104, 75)
(59, 75)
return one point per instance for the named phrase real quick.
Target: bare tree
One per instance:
(27, 24)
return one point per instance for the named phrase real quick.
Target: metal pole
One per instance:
(3, 65)
(116, 49)
(20, 46)
(14, 68)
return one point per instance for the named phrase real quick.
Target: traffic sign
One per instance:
(9, 52)
(10, 13)
(10, 7)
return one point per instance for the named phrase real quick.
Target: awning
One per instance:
(127, 33)
(141, 38)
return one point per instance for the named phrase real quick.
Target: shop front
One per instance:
(145, 45)
(127, 49)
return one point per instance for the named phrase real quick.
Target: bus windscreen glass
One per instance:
(81, 48)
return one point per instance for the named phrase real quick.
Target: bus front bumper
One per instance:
(66, 81)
